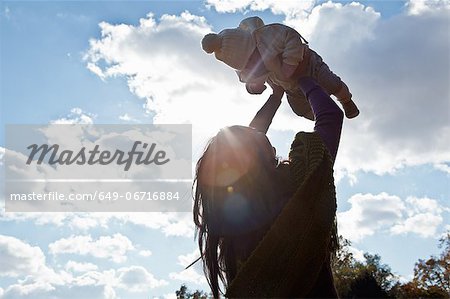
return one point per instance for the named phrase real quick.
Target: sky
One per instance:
(140, 62)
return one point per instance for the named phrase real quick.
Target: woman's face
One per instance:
(266, 146)
(256, 141)
(233, 153)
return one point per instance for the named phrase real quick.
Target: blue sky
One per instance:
(74, 62)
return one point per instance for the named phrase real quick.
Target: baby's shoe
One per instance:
(350, 109)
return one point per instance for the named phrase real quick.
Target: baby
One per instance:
(279, 55)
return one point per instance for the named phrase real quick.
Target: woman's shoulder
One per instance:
(306, 145)
(307, 152)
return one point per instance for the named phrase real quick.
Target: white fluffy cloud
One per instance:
(333, 28)
(192, 274)
(145, 253)
(20, 258)
(36, 279)
(288, 8)
(382, 212)
(424, 216)
(80, 267)
(114, 248)
(416, 7)
(170, 224)
(137, 279)
(369, 213)
(27, 263)
(76, 116)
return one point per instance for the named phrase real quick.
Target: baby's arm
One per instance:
(293, 52)
(282, 45)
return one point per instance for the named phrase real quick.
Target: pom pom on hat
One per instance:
(232, 46)
(211, 43)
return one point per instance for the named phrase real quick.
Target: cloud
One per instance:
(170, 296)
(27, 264)
(417, 7)
(442, 167)
(83, 223)
(76, 116)
(27, 290)
(145, 253)
(342, 26)
(290, 8)
(137, 279)
(7, 12)
(35, 279)
(126, 117)
(80, 267)
(424, 224)
(92, 284)
(386, 213)
(169, 223)
(20, 258)
(2, 154)
(357, 253)
(424, 216)
(192, 274)
(369, 213)
(113, 248)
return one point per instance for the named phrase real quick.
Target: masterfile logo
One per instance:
(95, 156)
(98, 168)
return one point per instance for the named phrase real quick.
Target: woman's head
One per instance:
(232, 154)
(234, 192)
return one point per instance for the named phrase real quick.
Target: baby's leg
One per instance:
(334, 85)
(299, 104)
(345, 98)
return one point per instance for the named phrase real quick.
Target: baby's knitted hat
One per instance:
(251, 24)
(232, 46)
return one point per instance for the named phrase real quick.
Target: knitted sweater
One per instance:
(289, 258)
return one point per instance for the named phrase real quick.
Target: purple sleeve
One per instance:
(329, 117)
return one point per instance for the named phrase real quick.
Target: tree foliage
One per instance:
(431, 276)
(371, 278)
(184, 293)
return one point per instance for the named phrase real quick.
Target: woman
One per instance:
(265, 228)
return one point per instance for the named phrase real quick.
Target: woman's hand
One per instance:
(264, 116)
(277, 90)
(255, 88)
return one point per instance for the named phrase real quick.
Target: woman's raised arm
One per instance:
(264, 116)
(328, 116)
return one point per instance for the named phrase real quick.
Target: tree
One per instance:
(343, 266)
(366, 286)
(431, 276)
(184, 293)
(369, 279)
(434, 273)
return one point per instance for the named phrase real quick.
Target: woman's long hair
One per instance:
(236, 198)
